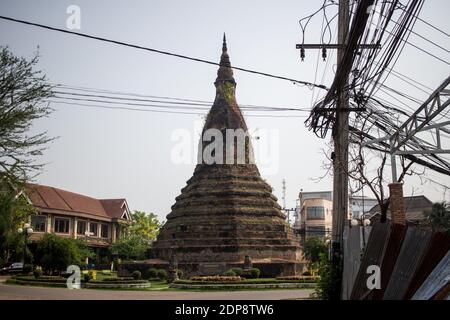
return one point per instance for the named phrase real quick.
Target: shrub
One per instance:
(55, 253)
(216, 278)
(329, 283)
(87, 277)
(230, 273)
(37, 273)
(162, 274)
(119, 279)
(180, 273)
(152, 273)
(299, 278)
(307, 273)
(254, 273)
(237, 271)
(27, 268)
(136, 274)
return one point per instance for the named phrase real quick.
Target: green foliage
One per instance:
(27, 268)
(313, 248)
(162, 274)
(24, 92)
(143, 230)
(131, 247)
(254, 273)
(136, 274)
(230, 273)
(85, 251)
(152, 273)
(37, 273)
(144, 225)
(14, 212)
(307, 273)
(439, 217)
(237, 271)
(329, 284)
(226, 90)
(87, 277)
(55, 253)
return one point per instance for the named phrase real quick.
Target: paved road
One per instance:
(13, 292)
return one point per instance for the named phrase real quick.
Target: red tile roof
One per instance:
(46, 197)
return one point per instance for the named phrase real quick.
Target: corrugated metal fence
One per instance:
(413, 263)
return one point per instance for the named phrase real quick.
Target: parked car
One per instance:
(15, 267)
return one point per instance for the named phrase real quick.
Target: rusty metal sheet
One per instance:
(439, 246)
(373, 255)
(352, 258)
(438, 279)
(393, 247)
(414, 248)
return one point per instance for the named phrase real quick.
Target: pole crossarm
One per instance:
(336, 46)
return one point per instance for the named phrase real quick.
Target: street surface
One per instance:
(14, 292)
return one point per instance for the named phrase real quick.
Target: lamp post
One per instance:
(26, 230)
(362, 222)
(88, 235)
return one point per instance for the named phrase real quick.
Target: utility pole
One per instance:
(347, 47)
(340, 142)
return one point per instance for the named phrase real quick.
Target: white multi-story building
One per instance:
(315, 211)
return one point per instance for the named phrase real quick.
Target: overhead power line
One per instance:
(120, 107)
(429, 24)
(84, 35)
(179, 101)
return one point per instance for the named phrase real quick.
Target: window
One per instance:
(315, 213)
(81, 227)
(62, 225)
(318, 231)
(93, 228)
(38, 223)
(104, 231)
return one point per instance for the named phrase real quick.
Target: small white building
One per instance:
(359, 205)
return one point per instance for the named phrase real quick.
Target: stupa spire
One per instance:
(225, 73)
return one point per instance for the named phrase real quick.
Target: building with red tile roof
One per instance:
(100, 222)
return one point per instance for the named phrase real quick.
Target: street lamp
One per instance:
(26, 230)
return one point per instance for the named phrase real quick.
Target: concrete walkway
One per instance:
(14, 292)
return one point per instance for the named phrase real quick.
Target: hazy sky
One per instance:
(112, 153)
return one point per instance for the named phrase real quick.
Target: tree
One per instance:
(313, 248)
(131, 247)
(143, 230)
(439, 217)
(55, 254)
(23, 99)
(329, 283)
(144, 225)
(14, 211)
(367, 164)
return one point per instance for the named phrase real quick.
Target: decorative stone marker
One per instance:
(173, 269)
(248, 263)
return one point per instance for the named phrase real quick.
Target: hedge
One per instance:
(243, 281)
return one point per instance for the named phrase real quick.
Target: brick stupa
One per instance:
(227, 211)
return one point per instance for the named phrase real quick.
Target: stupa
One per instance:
(227, 213)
